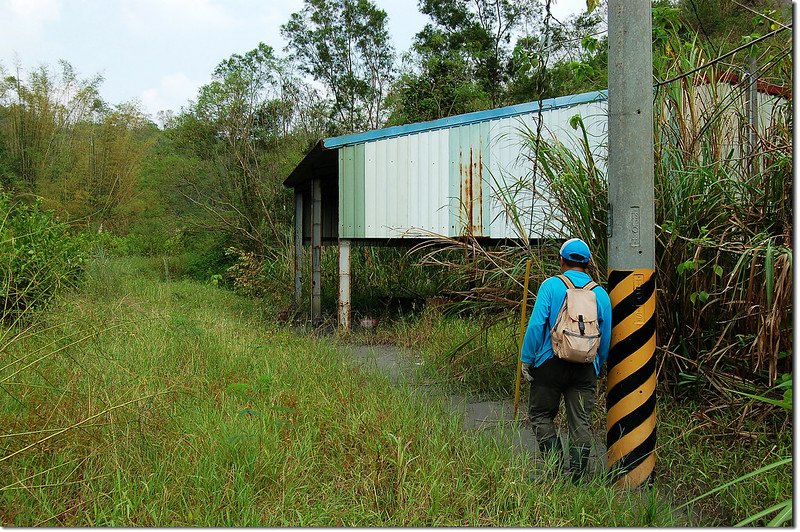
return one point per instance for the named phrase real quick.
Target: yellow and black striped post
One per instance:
(630, 396)
(630, 389)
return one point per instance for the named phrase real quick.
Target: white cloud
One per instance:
(563, 9)
(176, 15)
(34, 12)
(24, 21)
(173, 91)
(271, 15)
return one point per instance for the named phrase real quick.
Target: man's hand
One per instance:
(526, 372)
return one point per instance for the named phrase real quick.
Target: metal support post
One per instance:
(752, 117)
(630, 397)
(344, 286)
(316, 249)
(298, 248)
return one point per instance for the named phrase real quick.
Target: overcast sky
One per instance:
(160, 51)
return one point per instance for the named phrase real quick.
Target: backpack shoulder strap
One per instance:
(591, 285)
(566, 281)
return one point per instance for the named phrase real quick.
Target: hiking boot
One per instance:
(551, 454)
(550, 464)
(579, 462)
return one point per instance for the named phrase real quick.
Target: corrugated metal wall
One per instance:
(726, 104)
(455, 181)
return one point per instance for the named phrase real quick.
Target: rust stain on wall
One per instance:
(470, 173)
(479, 199)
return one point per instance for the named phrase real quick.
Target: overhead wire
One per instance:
(730, 99)
(543, 58)
(702, 28)
(543, 63)
(720, 58)
(732, 95)
(750, 9)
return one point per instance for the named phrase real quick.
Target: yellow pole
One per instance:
(631, 383)
(522, 325)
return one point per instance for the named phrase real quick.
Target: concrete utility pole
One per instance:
(344, 286)
(631, 420)
(316, 250)
(298, 248)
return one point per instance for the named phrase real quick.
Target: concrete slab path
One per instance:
(493, 416)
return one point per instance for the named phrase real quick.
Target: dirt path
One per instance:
(488, 416)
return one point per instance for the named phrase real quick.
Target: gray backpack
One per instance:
(576, 333)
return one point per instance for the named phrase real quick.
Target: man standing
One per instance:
(552, 377)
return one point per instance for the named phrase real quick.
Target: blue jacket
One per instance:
(536, 347)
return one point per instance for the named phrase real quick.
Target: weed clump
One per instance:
(40, 257)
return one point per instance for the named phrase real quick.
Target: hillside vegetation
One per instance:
(154, 403)
(150, 373)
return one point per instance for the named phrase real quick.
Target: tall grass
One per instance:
(723, 257)
(699, 448)
(181, 407)
(723, 233)
(723, 274)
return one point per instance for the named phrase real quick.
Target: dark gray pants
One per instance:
(578, 384)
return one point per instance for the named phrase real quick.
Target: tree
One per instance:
(235, 144)
(344, 44)
(722, 24)
(574, 61)
(41, 115)
(60, 141)
(482, 31)
(434, 85)
(460, 61)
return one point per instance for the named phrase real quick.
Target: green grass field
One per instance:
(138, 402)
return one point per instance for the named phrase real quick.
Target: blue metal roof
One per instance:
(468, 118)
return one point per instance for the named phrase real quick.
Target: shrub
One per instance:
(39, 257)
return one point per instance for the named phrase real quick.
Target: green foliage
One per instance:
(783, 386)
(462, 60)
(40, 258)
(575, 61)
(221, 163)
(345, 45)
(229, 112)
(443, 86)
(185, 409)
(61, 142)
(724, 279)
(481, 55)
(203, 256)
(781, 512)
(719, 223)
(723, 230)
(42, 114)
(247, 273)
(388, 281)
(479, 34)
(699, 451)
(578, 187)
(726, 25)
(697, 446)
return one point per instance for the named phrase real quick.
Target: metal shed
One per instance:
(456, 176)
